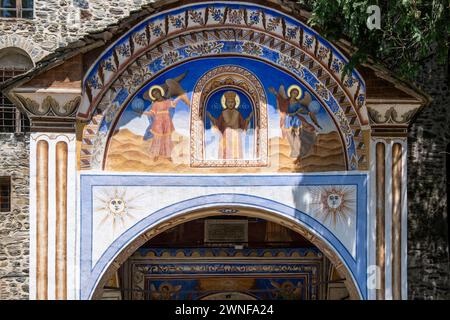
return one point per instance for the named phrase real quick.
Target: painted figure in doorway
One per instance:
(231, 125)
(294, 126)
(164, 99)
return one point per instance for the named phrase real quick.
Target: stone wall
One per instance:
(428, 256)
(14, 225)
(58, 22)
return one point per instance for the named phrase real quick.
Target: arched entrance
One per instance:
(215, 112)
(230, 211)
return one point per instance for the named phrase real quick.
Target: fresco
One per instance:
(229, 126)
(154, 132)
(115, 208)
(269, 274)
(222, 30)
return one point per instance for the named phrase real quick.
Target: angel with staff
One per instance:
(164, 99)
(294, 127)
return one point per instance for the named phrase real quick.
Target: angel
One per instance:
(294, 126)
(166, 291)
(164, 100)
(287, 290)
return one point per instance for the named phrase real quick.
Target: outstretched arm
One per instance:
(273, 91)
(247, 121)
(183, 98)
(149, 113)
(212, 119)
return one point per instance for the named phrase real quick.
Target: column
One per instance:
(52, 215)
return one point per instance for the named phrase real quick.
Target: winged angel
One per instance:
(164, 99)
(294, 126)
(287, 290)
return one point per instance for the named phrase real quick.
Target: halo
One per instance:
(155, 87)
(237, 99)
(295, 87)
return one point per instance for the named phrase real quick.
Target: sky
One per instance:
(268, 75)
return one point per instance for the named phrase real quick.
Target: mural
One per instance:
(266, 274)
(116, 208)
(207, 31)
(229, 113)
(215, 114)
(293, 106)
(164, 100)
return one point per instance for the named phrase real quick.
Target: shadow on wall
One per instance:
(428, 177)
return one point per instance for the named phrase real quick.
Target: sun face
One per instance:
(333, 203)
(117, 207)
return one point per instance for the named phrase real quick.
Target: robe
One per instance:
(231, 125)
(161, 128)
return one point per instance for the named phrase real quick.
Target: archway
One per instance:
(215, 211)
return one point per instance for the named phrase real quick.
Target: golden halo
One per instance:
(300, 91)
(155, 87)
(237, 99)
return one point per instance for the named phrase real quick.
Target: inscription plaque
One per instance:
(226, 230)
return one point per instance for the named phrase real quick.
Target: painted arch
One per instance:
(216, 30)
(178, 81)
(105, 245)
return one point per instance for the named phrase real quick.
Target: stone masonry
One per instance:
(59, 22)
(428, 253)
(14, 225)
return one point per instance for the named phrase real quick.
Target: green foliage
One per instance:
(411, 30)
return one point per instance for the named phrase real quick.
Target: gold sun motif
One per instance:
(117, 207)
(335, 203)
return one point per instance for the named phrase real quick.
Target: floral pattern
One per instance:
(273, 23)
(216, 14)
(350, 82)
(322, 91)
(292, 64)
(196, 16)
(235, 16)
(156, 29)
(308, 42)
(255, 18)
(204, 48)
(360, 100)
(252, 49)
(291, 33)
(170, 58)
(177, 21)
(140, 39)
(94, 83)
(323, 53)
(108, 65)
(336, 65)
(124, 50)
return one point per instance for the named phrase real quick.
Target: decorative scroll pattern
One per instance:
(284, 274)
